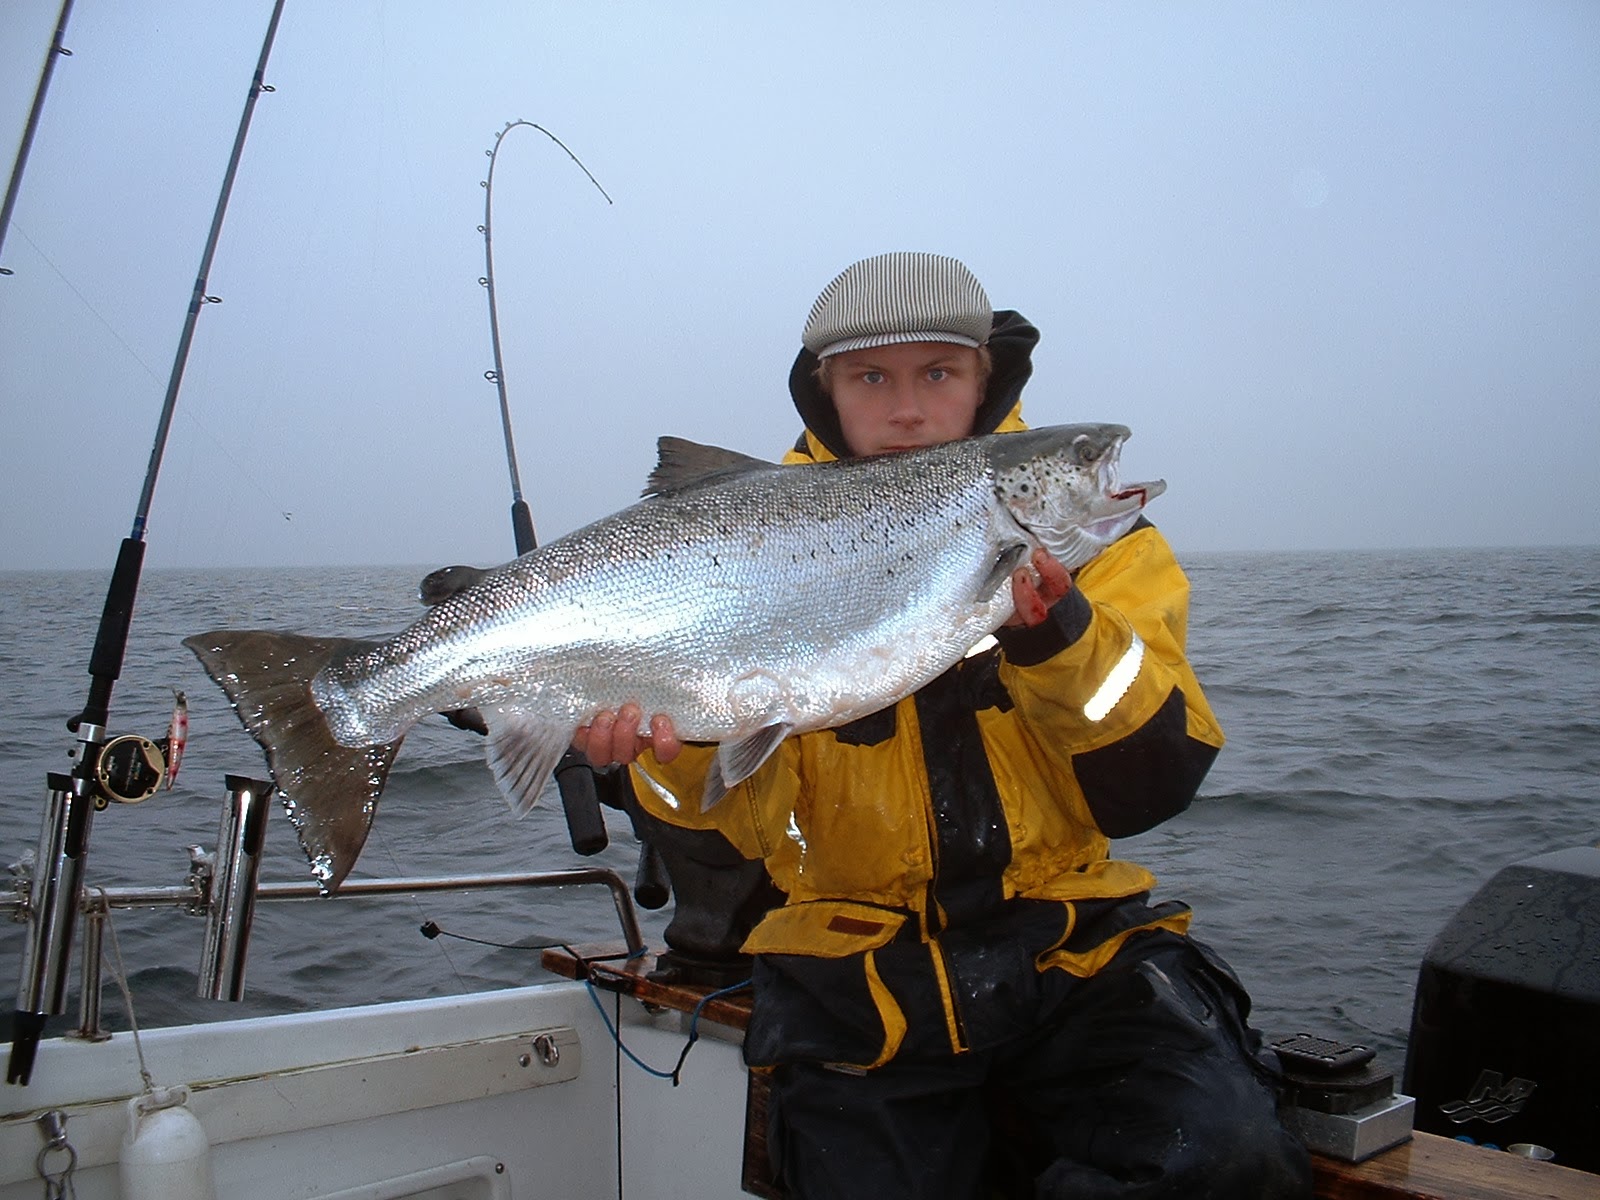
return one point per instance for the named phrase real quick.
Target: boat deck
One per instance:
(1428, 1167)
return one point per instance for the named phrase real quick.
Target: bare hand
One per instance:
(613, 737)
(1031, 600)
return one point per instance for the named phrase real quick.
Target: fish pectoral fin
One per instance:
(523, 751)
(739, 759)
(1008, 560)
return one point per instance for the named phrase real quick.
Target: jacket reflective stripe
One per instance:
(1117, 683)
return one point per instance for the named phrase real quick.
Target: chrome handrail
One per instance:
(193, 897)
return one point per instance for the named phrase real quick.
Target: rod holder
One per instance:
(53, 900)
(231, 903)
(96, 912)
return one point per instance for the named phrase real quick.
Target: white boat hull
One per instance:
(421, 1100)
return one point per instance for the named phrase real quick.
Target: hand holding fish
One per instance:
(611, 738)
(1032, 600)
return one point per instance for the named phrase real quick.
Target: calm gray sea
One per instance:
(1401, 725)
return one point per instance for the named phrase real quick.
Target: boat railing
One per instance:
(222, 976)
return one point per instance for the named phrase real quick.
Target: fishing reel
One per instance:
(130, 768)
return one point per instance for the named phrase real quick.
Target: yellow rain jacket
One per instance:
(940, 853)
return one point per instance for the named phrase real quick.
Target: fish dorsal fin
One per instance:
(682, 464)
(523, 752)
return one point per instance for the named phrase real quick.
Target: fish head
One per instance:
(1062, 484)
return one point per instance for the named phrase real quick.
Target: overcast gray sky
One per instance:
(1336, 264)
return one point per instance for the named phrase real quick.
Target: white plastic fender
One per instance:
(165, 1152)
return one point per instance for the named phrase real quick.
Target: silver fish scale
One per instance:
(803, 595)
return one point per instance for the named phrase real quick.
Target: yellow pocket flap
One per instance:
(1085, 963)
(824, 929)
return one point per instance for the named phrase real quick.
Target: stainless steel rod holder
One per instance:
(54, 896)
(96, 912)
(231, 905)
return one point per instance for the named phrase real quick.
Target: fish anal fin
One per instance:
(682, 464)
(523, 751)
(741, 758)
(715, 789)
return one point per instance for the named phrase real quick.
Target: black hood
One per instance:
(1011, 343)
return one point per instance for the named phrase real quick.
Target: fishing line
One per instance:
(241, 469)
(88, 307)
(394, 862)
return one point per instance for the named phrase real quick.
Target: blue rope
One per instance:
(694, 1030)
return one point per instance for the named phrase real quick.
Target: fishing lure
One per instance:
(177, 736)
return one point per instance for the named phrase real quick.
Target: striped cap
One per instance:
(901, 297)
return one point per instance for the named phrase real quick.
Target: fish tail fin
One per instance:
(329, 790)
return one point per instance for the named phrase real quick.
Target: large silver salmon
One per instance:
(747, 601)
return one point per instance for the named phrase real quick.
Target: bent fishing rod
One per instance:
(575, 779)
(521, 517)
(125, 769)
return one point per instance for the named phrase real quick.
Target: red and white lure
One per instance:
(177, 736)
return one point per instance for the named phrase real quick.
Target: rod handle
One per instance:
(575, 779)
(651, 886)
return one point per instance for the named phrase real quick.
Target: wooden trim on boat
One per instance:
(1428, 1167)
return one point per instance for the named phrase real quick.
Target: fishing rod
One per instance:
(521, 517)
(57, 50)
(126, 769)
(575, 779)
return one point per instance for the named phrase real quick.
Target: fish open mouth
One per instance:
(1118, 508)
(1113, 514)
(1119, 503)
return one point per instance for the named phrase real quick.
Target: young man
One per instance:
(964, 993)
